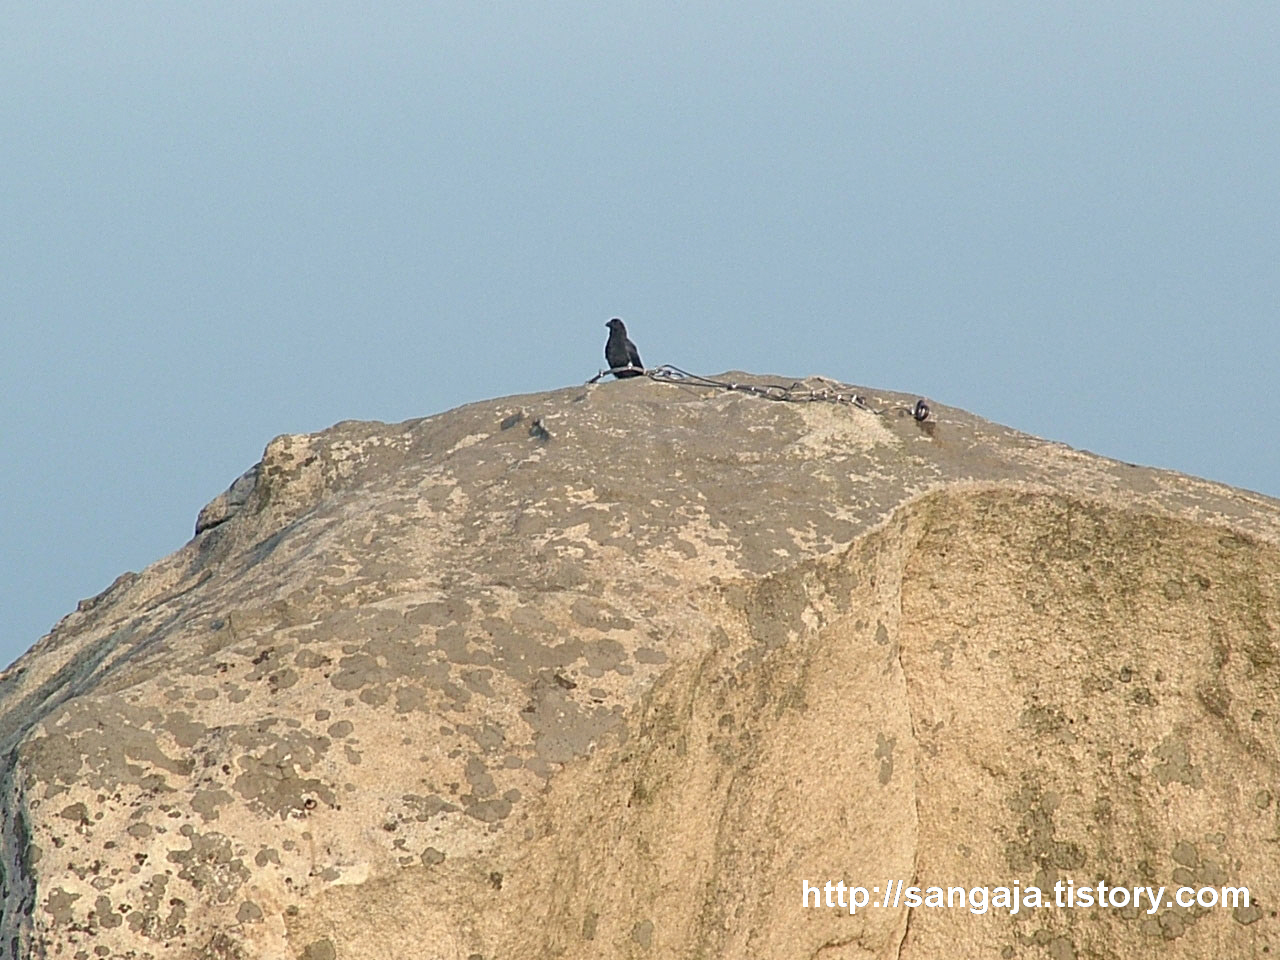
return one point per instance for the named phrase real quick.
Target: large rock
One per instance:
(619, 684)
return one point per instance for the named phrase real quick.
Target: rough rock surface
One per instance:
(464, 688)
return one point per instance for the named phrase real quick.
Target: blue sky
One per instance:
(223, 222)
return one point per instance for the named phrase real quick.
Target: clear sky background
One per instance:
(220, 222)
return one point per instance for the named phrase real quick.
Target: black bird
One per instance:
(621, 352)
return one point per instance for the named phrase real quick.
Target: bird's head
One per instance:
(616, 324)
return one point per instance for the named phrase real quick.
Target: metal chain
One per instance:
(796, 392)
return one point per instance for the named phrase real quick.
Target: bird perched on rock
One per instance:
(621, 352)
